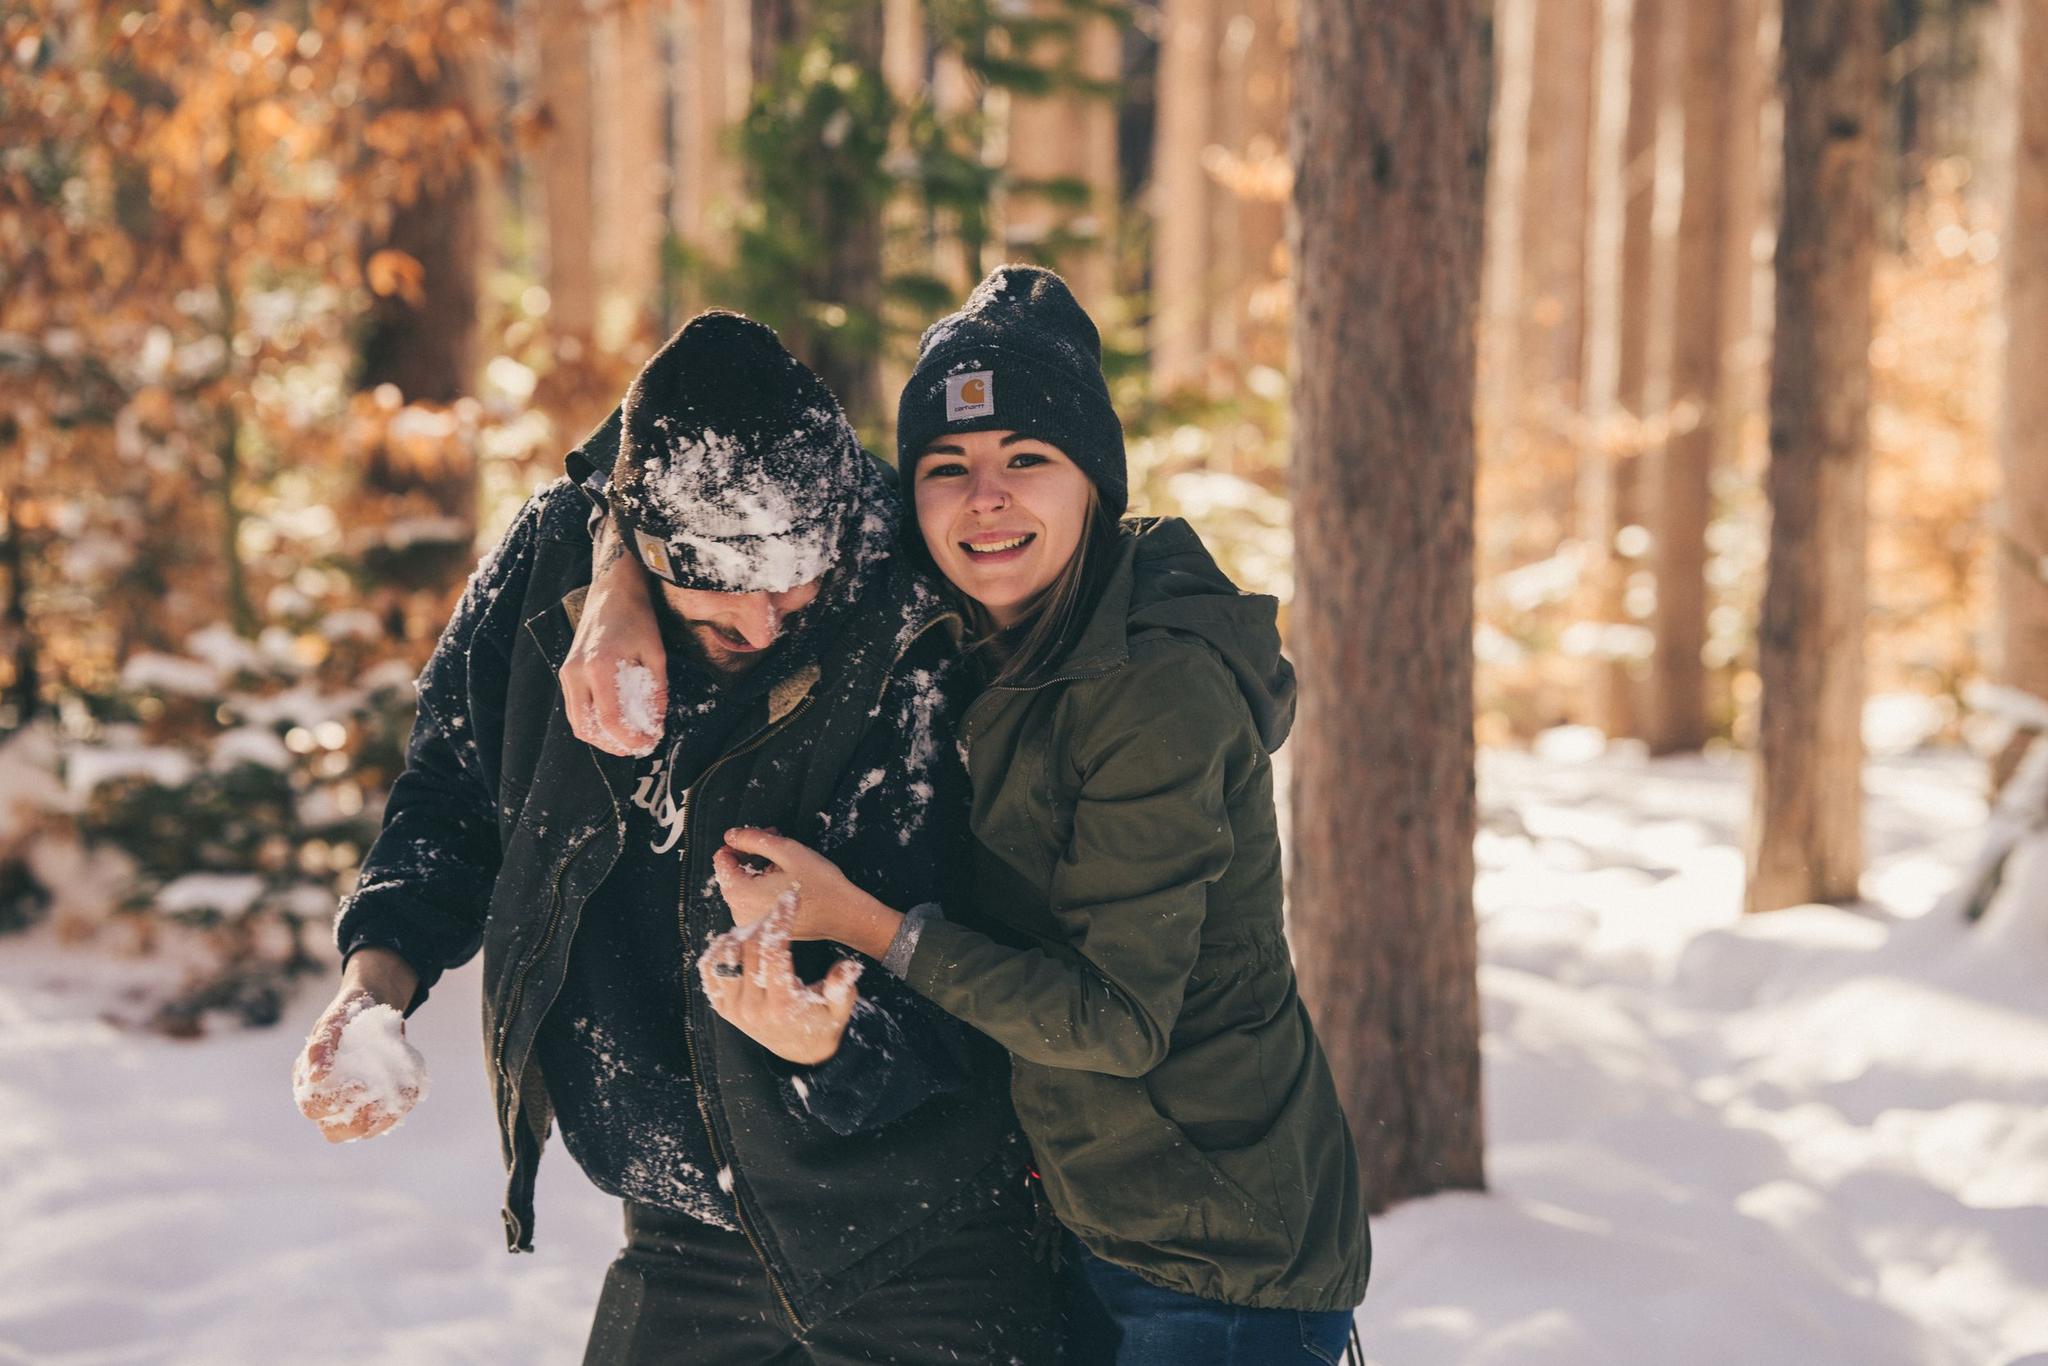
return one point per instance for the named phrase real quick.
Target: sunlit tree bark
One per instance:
(1552, 306)
(630, 174)
(565, 157)
(2023, 444)
(1806, 838)
(1219, 277)
(711, 66)
(425, 269)
(1062, 143)
(1389, 155)
(1712, 234)
(1603, 454)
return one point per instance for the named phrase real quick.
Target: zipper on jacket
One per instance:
(526, 967)
(718, 1154)
(554, 920)
(978, 710)
(532, 960)
(724, 1160)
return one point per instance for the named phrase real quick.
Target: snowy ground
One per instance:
(1815, 1137)
(165, 1202)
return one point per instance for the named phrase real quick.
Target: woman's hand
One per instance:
(758, 869)
(749, 979)
(615, 679)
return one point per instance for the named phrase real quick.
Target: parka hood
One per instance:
(1164, 579)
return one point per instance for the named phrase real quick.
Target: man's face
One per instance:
(731, 631)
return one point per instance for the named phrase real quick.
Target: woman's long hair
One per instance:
(1050, 621)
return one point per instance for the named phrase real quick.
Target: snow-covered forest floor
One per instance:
(1819, 1136)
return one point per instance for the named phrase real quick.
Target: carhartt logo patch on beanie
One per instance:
(737, 470)
(970, 395)
(1021, 355)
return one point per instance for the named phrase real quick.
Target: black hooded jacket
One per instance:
(505, 831)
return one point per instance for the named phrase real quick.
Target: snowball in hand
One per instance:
(635, 685)
(376, 1074)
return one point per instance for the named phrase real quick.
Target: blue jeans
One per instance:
(1115, 1317)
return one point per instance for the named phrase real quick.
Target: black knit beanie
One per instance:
(1021, 355)
(737, 472)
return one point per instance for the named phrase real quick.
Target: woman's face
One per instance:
(1002, 514)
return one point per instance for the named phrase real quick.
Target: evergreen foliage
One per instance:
(827, 145)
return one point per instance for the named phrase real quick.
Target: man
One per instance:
(825, 1167)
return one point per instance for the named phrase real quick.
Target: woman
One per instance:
(1123, 939)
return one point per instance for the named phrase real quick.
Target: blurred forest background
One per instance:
(299, 301)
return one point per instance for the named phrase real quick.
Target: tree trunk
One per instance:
(1643, 171)
(565, 169)
(2023, 446)
(1742, 388)
(1806, 830)
(1099, 56)
(424, 339)
(903, 48)
(1389, 167)
(772, 25)
(630, 175)
(1710, 235)
(1066, 137)
(960, 256)
(1220, 283)
(1651, 172)
(1248, 132)
(685, 50)
(1553, 298)
(712, 63)
(1603, 453)
(906, 238)
(1260, 301)
(1506, 198)
(1180, 197)
(23, 699)
(849, 278)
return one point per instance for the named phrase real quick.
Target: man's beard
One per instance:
(680, 638)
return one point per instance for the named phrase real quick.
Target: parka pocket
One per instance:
(1234, 1076)
(1215, 1092)
(1113, 1165)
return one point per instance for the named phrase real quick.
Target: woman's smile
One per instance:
(998, 549)
(1002, 513)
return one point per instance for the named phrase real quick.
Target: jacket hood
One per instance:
(1164, 579)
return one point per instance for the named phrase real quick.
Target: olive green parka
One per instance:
(1125, 943)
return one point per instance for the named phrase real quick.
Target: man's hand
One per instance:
(750, 980)
(360, 1095)
(615, 679)
(758, 869)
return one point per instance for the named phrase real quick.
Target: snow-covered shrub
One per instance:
(219, 825)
